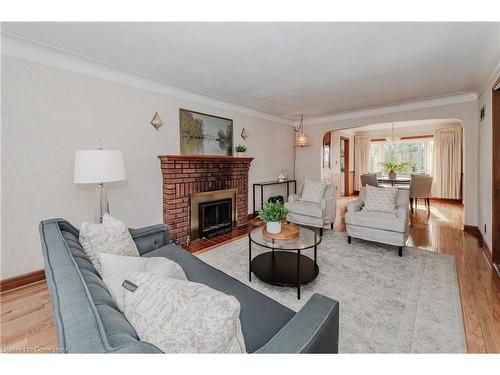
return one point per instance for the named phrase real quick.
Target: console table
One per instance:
(269, 183)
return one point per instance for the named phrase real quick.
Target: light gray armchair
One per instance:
(383, 227)
(313, 214)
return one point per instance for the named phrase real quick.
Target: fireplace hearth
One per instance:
(215, 218)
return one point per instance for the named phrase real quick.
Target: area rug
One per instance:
(388, 304)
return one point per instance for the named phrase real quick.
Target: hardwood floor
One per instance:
(26, 320)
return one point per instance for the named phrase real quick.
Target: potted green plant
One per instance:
(391, 167)
(240, 150)
(273, 214)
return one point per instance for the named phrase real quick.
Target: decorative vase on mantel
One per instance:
(391, 175)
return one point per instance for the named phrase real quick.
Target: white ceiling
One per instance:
(286, 69)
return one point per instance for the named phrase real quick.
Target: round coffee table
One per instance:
(284, 265)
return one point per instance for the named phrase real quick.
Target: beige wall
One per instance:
(48, 113)
(485, 160)
(308, 159)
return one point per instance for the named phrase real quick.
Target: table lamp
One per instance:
(99, 167)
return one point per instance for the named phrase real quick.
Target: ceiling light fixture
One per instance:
(392, 138)
(301, 138)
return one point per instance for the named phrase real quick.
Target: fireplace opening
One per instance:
(215, 218)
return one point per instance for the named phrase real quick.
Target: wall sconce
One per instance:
(156, 121)
(244, 134)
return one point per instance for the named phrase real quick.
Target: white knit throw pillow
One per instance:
(380, 199)
(313, 191)
(112, 237)
(179, 316)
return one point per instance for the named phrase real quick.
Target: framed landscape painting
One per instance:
(203, 134)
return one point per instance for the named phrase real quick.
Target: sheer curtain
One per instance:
(447, 169)
(361, 159)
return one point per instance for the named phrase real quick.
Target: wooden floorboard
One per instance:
(26, 320)
(26, 316)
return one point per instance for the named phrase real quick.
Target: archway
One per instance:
(405, 141)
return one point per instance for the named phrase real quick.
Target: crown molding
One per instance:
(398, 107)
(493, 80)
(25, 49)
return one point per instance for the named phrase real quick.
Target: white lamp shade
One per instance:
(98, 166)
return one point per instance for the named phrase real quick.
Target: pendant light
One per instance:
(301, 138)
(392, 138)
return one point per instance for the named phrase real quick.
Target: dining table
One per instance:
(394, 181)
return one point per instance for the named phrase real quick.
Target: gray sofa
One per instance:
(88, 320)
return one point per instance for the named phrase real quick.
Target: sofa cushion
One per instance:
(376, 220)
(305, 208)
(112, 237)
(261, 317)
(115, 268)
(179, 316)
(402, 198)
(308, 221)
(313, 191)
(380, 199)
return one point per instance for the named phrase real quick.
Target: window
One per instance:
(418, 152)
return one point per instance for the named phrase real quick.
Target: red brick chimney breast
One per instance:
(184, 175)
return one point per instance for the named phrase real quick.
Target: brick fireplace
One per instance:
(187, 175)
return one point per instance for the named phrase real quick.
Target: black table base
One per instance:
(284, 268)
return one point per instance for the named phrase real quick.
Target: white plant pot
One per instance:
(240, 154)
(273, 227)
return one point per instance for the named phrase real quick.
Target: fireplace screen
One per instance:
(215, 218)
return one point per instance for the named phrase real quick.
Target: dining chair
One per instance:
(369, 179)
(420, 187)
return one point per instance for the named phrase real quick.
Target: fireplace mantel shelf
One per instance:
(209, 158)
